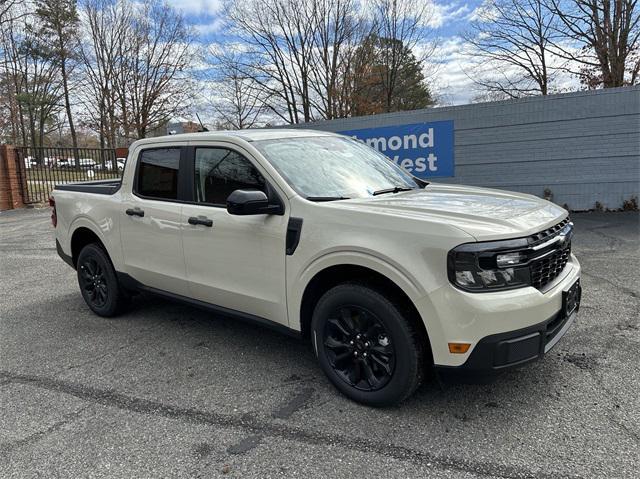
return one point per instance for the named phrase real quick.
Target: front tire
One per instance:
(365, 344)
(98, 281)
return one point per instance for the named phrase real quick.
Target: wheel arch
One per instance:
(333, 275)
(82, 236)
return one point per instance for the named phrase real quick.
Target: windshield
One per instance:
(331, 167)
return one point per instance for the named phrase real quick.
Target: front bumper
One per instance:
(499, 352)
(485, 319)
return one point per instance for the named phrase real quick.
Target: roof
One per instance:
(247, 135)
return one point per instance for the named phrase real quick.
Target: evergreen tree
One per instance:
(387, 77)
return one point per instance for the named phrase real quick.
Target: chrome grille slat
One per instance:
(547, 234)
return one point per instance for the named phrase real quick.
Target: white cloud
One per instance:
(485, 12)
(197, 7)
(214, 26)
(433, 14)
(456, 62)
(448, 72)
(443, 13)
(203, 15)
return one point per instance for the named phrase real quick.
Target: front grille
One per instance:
(545, 270)
(553, 258)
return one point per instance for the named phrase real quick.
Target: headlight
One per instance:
(490, 266)
(506, 260)
(508, 264)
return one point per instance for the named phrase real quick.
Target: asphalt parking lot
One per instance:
(167, 390)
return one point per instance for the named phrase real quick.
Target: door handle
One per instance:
(200, 220)
(135, 212)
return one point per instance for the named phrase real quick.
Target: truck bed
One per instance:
(100, 187)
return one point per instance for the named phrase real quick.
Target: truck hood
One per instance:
(483, 213)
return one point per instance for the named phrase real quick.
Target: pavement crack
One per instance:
(99, 357)
(631, 433)
(258, 427)
(613, 240)
(7, 447)
(631, 292)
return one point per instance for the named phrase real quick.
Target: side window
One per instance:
(219, 171)
(158, 173)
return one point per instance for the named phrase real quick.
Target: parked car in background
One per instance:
(87, 163)
(321, 236)
(120, 162)
(30, 162)
(84, 163)
(65, 162)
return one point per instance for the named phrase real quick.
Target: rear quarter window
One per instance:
(158, 170)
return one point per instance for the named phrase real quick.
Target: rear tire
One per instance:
(98, 282)
(368, 348)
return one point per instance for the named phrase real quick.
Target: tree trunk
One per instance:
(65, 88)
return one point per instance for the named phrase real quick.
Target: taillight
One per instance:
(54, 214)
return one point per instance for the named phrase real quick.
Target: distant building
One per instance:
(183, 127)
(175, 127)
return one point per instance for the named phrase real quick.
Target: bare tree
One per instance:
(34, 81)
(136, 58)
(633, 66)
(156, 51)
(513, 45)
(106, 24)
(304, 54)
(234, 96)
(338, 30)
(12, 125)
(603, 39)
(298, 52)
(488, 96)
(9, 12)
(280, 39)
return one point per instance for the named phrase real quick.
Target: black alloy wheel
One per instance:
(98, 281)
(368, 344)
(359, 348)
(93, 282)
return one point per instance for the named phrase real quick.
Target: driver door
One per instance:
(237, 262)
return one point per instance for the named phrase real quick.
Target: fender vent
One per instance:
(294, 230)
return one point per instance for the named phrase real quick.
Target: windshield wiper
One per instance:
(395, 189)
(327, 198)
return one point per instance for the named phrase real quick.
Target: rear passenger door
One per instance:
(151, 225)
(237, 262)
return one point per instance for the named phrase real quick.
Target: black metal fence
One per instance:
(43, 168)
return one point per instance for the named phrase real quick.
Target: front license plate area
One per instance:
(571, 299)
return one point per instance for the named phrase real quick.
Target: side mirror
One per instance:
(250, 202)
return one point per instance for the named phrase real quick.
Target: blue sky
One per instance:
(450, 83)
